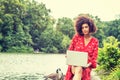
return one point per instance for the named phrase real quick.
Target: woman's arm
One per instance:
(94, 56)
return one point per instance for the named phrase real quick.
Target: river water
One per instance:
(30, 66)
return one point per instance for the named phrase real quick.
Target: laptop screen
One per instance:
(77, 58)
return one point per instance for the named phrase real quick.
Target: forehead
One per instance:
(84, 25)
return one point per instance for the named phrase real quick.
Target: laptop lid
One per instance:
(77, 58)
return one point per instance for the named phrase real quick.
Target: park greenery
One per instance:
(27, 26)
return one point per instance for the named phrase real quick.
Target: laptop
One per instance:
(77, 58)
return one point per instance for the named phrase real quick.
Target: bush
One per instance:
(23, 49)
(114, 75)
(65, 43)
(51, 41)
(50, 49)
(109, 55)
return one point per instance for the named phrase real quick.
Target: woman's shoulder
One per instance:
(95, 39)
(77, 35)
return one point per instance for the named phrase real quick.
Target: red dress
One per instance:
(77, 44)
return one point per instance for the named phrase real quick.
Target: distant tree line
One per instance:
(26, 25)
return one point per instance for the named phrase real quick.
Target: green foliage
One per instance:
(19, 22)
(114, 75)
(50, 49)
(52, 41)
(23, 49)
(24, 24)
(109, 55)
(113, 28)
(65, 25)
(37, 19)
(12, 28)
(65, 43)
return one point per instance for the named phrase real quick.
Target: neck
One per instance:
(87, 36)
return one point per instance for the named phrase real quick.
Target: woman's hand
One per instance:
(89, 64)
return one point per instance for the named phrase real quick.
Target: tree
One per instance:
(22, 22)
(112, 28)
(37, 18)
(65, 25)
(65, 43)
(14, 32)
(51, 41)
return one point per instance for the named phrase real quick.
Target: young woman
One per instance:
(83, 41)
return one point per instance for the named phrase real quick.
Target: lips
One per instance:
(85, 32)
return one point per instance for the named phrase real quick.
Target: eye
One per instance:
(86, 26)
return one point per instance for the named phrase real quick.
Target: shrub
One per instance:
(23, 49)
(109, 55)
(114, 75)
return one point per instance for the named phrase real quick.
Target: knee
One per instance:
(78, 70)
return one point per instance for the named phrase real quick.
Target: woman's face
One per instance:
(85, 29)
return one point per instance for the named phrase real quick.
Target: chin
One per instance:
(86, 34)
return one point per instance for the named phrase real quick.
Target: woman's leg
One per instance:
(77, 71)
